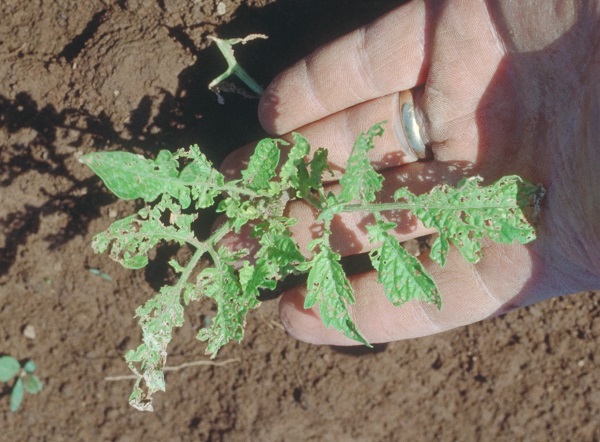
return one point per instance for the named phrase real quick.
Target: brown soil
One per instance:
(79, 76)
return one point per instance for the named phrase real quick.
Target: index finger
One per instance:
(381, 58)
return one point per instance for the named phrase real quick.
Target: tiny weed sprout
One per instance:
(176, 187)
(25, 381)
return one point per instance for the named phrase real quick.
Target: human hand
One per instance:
(500, 88)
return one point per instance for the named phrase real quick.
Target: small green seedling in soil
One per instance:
(25, 381)
(178, 186)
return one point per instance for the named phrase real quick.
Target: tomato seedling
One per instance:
(178, 186)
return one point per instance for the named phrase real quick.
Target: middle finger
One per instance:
(339, 131)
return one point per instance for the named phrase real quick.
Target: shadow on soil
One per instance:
(190, 116)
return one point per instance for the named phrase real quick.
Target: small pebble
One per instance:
(29, 331)
(221, 9)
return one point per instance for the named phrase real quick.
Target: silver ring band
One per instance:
(410, 126)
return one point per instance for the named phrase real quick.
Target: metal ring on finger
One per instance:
(410, 125)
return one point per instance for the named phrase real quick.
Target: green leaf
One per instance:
(32, 384)
(137, 398)
(360, 181)
(294, 172)
(262, 165)
(328, 286)
(157, 318)
(237, 211)
(402, 275)
(278, 257)
(462, 215)
(9, 368)
(16, 396)
(204, 181)
(318, 165)
(278, 249)
(131, 176)
(255, 277)
(29, 366)
(222, 285)
(131, 239)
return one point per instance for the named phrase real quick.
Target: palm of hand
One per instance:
(487, 104)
